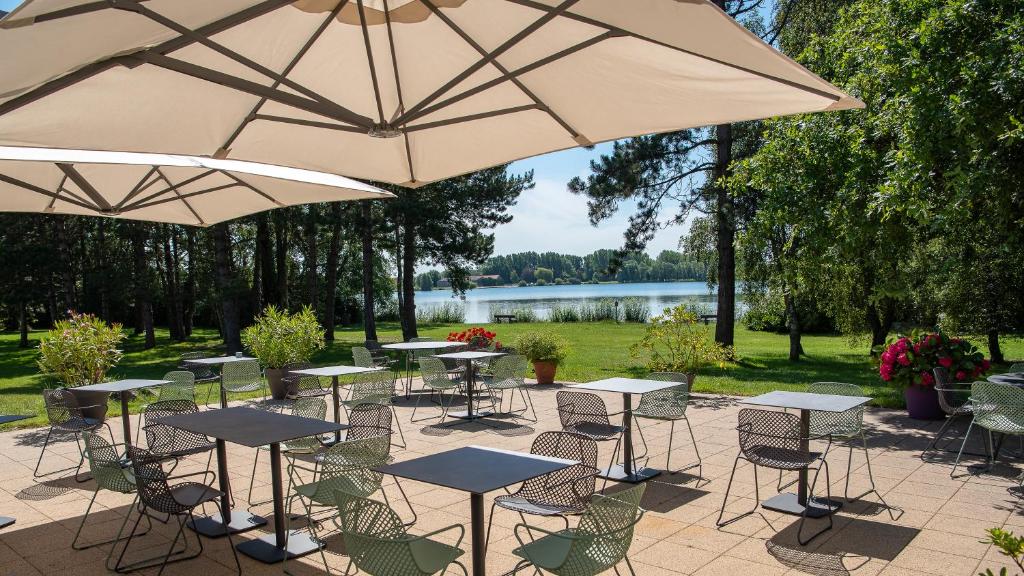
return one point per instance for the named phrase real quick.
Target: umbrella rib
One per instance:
(369, 59)
(45, 192)
(398, 87)
(60, 187)
(177, 193)
(63, 13)
(85, 186)
(253, 188)
(311, 123)
(253, 114)
(140, 187)
(471, 117)
(506, 77)
(505, 46)
(183, 197)
(165, 190)
(572, 16)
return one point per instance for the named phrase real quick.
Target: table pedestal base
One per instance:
(618, 474)
(213, 526)
(476, 415)
(265, 549)
(788, 503)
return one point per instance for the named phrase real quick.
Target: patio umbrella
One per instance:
(159, 187)
(400, 91)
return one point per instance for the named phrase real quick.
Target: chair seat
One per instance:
(322, 492)
(506, 384)
(192, 494)
(781, 458)
(171, 451)
(548, 553)
(79, 425)
(660, 413)
(432, 556)
(526, 506)
(1002, 423)
(595, 431)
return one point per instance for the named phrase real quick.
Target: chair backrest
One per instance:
(952, 396)
(434, 372)
(605, 532)
(373, 346)
(420, 354)
(667, 402)
(347, 466)
(105, 464)
(510, 368)
(576, 407)
(375, 538)
(201, 371)
(151, 482)
(845, 423)
(241, 376)
(761, 429)
(182, 386)
(376, 387)
(368, 420)
(998, 407)
(314, 407)
(164, 439)
(1017, 367)
(570, 487)
(60, 406)
(361, 357)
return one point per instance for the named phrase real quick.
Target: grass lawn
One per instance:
(599, 350)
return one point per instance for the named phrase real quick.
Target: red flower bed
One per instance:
(476, 338)
(909, 360)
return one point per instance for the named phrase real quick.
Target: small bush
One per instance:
(541, 347)
(522, 283)
(635, 310)
(564, 313)
(80, 350)
(446, 313)
(278, 338)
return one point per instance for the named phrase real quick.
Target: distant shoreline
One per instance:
(555, 285)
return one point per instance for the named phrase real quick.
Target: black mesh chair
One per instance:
(955, 401)
(561, 493)
(174, 497)
(772, 439)
(585, 413)
(203, 373)
(302, 385)
(65, 417)
(168, 442)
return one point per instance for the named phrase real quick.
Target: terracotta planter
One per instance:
(545, 372)
(923, 403)
(278, 387)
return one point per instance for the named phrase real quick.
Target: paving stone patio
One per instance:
(939, 522)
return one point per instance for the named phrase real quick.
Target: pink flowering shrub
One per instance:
(909, 360)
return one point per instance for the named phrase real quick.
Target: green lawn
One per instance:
(599, 350)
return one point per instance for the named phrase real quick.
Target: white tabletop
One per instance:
(423, 345)
(334, 371)
(470, 355)
(807, 401)
(627, 385)
(122, 385)
(218, 360)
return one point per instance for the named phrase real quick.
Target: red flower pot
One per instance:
(923, 403)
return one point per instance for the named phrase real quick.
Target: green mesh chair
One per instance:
(203, 373)
(241, 377)
(67, 417)
(378, 543)
(313, 407)
(364, 358)
(599, 542)
(668, 404)
(113, 474)
(181, 386)
(955, 400)
(436, 379)
(997, 408)
(509, 373)
(1017, 367)
(375, 388)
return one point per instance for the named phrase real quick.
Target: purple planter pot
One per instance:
(923, 403)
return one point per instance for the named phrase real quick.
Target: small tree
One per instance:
(80, 350)
(677, 341)
(279, 338)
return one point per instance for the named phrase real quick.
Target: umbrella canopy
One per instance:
(400, 91)
(160, 187)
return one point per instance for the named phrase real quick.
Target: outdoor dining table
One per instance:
(220, 361)
(469, 357)
(1012, 378)
(254, 428)
(6, 521)
(627, 387)
(410, 347)
(805, 402)
(124, 388)
(477, 470)
(334, 372)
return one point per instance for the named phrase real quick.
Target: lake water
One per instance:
(659, 295)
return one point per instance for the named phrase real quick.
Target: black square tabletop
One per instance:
(334, 371)
(6, 418)
(250, 427)
(219, 360)
(469, 355)
(626, 385)
(807, 401)
(475, 469)
(122, 385)
(435, 345)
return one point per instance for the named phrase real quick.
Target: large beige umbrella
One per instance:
(401, 91)
(160, 187)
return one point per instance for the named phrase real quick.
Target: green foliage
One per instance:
(80, 350)
(677, 341)
(522, 313)
(445, 313)
(279, 338)
(635, 310)
(545, 275)
(564, 313)
(1008, 544)
(667, 266)
(541, 347)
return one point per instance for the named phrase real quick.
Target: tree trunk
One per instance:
(67, 271)
(331, 295)
(225, 280)
(796, 348)
(408, 288)
(369, 313)
(880, 324)
(22, 324)
(101, 267)
(143, 304)
(281, 254)
(265, 262)
(995, 353)
(172, 295)
(726, 234)
(311, 258)
(190, 282)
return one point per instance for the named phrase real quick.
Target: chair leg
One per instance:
(231, 542)
(81, 458)
(46, 442)
(529, 400)
(398, 425)
(490, 522)
(728, 488)
(252, 478)
(611, 461)
(810, 497)
(938, 436)
(952, 473)
(408, 503)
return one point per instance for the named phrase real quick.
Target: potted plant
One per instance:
(907, 363)
(546, 351)
(476, 338)
(677, 341)
(279, 338)
(79, 351)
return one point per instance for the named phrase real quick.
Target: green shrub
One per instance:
(635, 310)
(279, 338)
(80, 350)
(564, 313)
(541, 347)
(447, 313)
(677, 341)
(541, 282)
(1009, 545)
(522, 283)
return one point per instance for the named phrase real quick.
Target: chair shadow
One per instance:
(861, 541)
(52, 488)
(712, 402)
(662, 497)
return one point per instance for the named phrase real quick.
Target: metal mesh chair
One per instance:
(181, 386)
(1017, 367)
(560, 493)
(294, 382)
(65, 417)
(509, 373)
(241, 377)
(311, 407)
(599, 542)
(375, 388)
(955, 401)
(772, 439)
(380, 354)
(369, 420)
(378, 544)
(668, 404)
(997, 408)
(110, 473)
(167, 442)
(203, 373)
(436, 379)
(176, 500)
(585, 413)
